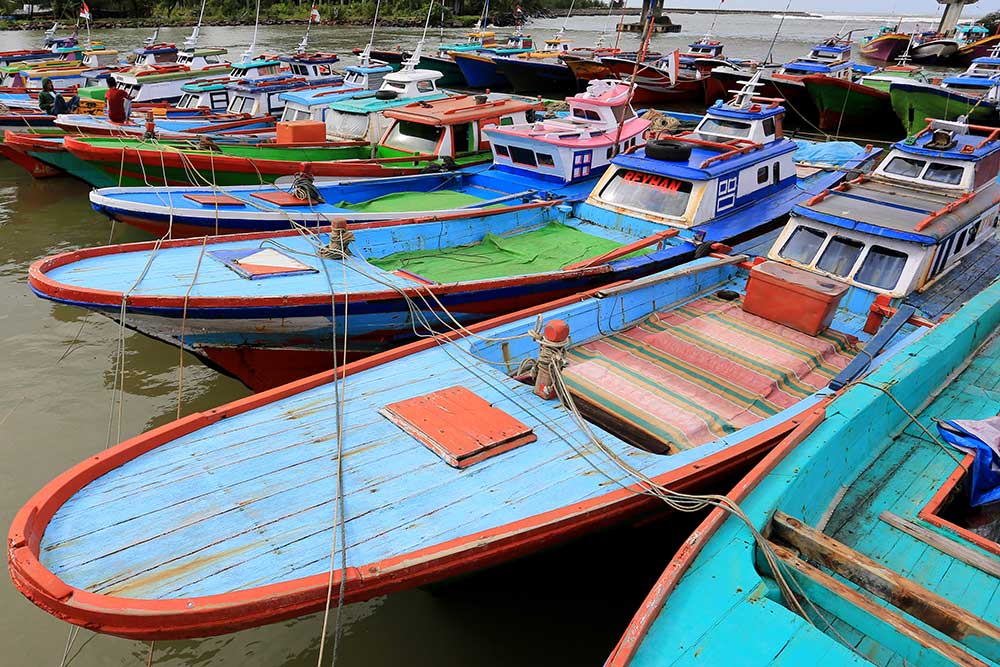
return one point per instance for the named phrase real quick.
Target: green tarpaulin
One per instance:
(547, 249)
(413, 201)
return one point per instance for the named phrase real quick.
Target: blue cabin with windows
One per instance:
(931, 203)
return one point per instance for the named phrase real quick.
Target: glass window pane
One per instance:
(729, 128)
(881, 268)
(500, 150)
(904, 166)
(523, 156)
(648, 192)
(803, 244)
(949, 174)
(414, 137)
(840, 256)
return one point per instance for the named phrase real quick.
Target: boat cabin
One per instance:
(474, 41)
(704, 48)
(202, 58)
(575, 147)
(452, 126)
(831, 58)
(100, 58)
(155, 54)
(311, 66)
(981, 78)
(932, 201)
(366, 77)
(255, 69)
(261, 97)
(519, 42)
(360, 117)
(313, 102)
(736, 156)
(209, 94)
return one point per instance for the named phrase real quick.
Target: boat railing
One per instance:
(730, 149)
(991, 133)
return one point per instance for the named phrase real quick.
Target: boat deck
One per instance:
(902, 481)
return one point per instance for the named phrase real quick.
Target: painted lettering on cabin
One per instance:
(662, 183)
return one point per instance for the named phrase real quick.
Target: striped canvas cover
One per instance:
(694, 374)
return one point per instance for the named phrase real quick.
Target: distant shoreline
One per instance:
(394, 22)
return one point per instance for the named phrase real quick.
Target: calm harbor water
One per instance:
(57, 381)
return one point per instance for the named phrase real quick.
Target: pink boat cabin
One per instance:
(574, 147)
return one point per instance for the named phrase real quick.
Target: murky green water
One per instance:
(56, 387)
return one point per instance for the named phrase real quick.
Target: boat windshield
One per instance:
(659, 195)
(712, 128)
(188, 101)
(840, 255)
(414, 137)
(949, 174)
(587, 114)
(905, 166)
(882, 268)
(803, 245)
(242, 104)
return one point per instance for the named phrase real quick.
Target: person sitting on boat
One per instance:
(53, 103)
(117, 102)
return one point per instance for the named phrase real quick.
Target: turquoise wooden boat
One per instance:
(866, 519)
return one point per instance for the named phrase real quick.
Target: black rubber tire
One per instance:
(668, 151)
(386, 94)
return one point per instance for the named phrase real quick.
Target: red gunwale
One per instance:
(219, 614)
(648, 612)
(42, 283)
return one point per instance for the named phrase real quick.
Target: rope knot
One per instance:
(304, 186)
(552, 343)
(340, 239)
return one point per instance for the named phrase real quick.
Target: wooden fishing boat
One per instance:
(181, 126)
(980, 48)
(886, 45)
(539, 71)
(526, 473)
(659, 81)
(31, 164)
(864, 547)
(421, 134)
(932, 48)
(477, 263)
(865, 103)
(973, 94)
(477, 66)
(44, 156)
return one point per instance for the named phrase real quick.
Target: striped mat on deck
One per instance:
(694, 374)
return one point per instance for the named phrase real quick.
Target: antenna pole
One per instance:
(639, 57)
(248, 54)
(774, 39)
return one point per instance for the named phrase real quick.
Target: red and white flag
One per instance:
(85, 12)
(314, 14)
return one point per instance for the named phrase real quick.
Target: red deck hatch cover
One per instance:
(282, 198)
(215, 200)
(458, 425)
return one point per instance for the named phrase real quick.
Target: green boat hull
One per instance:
(843, 104)
(914, 103)
(452, 74)
(78, 168)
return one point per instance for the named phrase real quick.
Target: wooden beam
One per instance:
(972, 557)
(829, 593)
(906, 594)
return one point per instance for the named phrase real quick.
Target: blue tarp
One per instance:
(981, 438)
(830, 152)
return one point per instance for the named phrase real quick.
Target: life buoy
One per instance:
(386, 94)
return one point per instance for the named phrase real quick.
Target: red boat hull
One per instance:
(33, 166)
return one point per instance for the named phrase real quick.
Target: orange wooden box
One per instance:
(796, 298)
(301, 132)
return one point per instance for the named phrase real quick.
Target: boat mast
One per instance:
(248, 54)
(365, 57)
(770, 49)
(191, 43)
(414, 59)
(599, 43)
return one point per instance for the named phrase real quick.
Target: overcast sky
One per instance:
(911, 7)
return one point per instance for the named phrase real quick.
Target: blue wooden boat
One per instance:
(453, 455)
(511, 251)
(868, 519)
(477, 66)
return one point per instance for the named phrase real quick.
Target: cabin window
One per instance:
(506, 120)
(611, 151)
(777, 172)
(501, 150)
(949, 174)
(414, 137)
(960, 243)
(545, 160)
(392, 85)
(840, 255)
(882, 268)
(768, 126)
(523, 156)
(904, 166)
(274, 103)
(241, 105)
(187, 101)
(623, 113)
(724, 128)
(425, 86)
(589, 114)
(219, 100)
(462, 138)
(762, 175)
(803, 245)
(661, 195)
